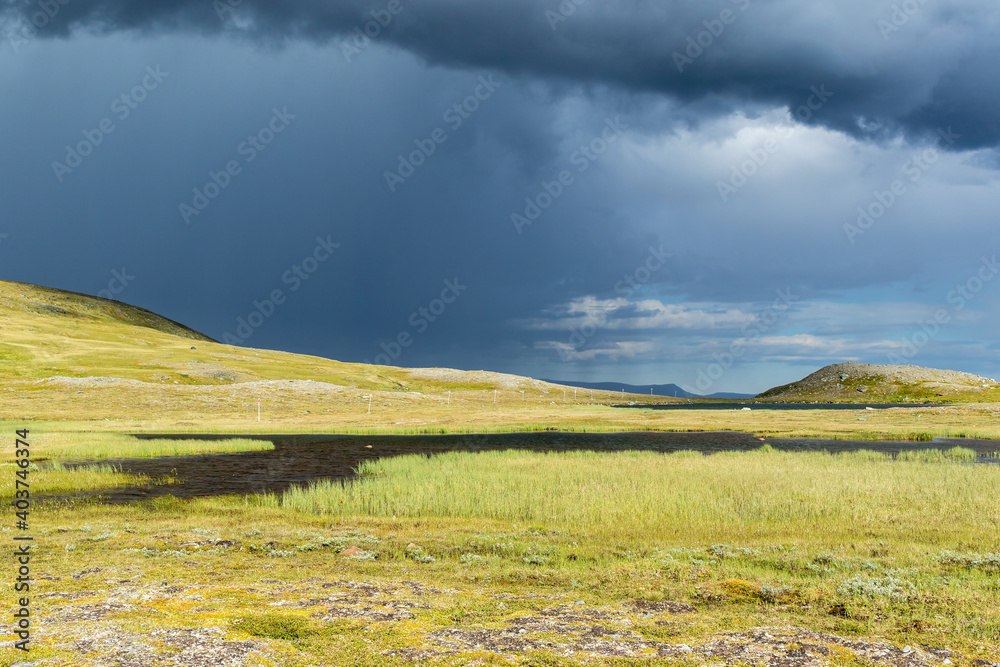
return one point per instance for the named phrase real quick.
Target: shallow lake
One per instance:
(300, 459)
(775, 406)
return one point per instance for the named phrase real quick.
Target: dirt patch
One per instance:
(91, 612)
(363, 600)
(797, 647)
(773, 647)
(383, 615)
(650, 607)
(66, 596)
(166, 648)
(498, 380)
(565, 629)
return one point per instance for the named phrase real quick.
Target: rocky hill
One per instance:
(869, 383)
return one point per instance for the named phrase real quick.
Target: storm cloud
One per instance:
(910, 68)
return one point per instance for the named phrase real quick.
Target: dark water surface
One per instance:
(776, 406)
(300, 459)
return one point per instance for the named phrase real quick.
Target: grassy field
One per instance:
(625, 559)
(66, 446)
(632, 496)
(88, 364)
(916, 424)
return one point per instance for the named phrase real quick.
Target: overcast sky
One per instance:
(725, 194)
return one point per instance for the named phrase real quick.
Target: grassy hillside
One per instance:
(870, 383)
(68, 356)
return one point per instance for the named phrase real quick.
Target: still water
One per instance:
(773, 406)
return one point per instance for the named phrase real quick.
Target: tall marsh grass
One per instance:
(644, 495)
(69, 446)
(57, 480)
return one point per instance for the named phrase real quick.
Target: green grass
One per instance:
(273, 626)
(52, 450)
(73, 446)
(640, 495)
(57, 480)
(958, 454)
(857, 545)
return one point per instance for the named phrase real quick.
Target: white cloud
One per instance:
(808, 345)
(614, 351)
(646, 314)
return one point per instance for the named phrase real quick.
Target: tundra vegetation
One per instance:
(628, 558)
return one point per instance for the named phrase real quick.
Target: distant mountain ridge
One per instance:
(671, 390)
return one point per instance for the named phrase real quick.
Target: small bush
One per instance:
(269, 550)
(970, 560)
(741, 590)
(874, 587)
(775, 593)
(415, 553)
(273, 626)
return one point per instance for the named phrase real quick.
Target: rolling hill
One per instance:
(70, 356)
(860, 383)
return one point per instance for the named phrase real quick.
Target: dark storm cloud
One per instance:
(909, 67)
